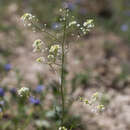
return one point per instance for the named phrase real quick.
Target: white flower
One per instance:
(28, 19)
(37, 45)
(40, 59)
(100, 107)
(78, 25)
(72, 23)
(62, 128)
(24, 91)
(27, 16)
(54, 49)
(88, 22)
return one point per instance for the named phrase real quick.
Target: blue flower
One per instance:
(124, 27)
(7, 67)
(13, 91)
(39, 88)
(34, 101)
(56, 26)
(69, 5)
(2, 92)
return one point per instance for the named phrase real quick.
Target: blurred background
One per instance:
(100, 61)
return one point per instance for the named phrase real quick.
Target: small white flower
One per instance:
(23, 92)
(62, 128)
(54, 49)
(100, 107)
(27, 16)
(40, 59)
(28, 19)
(37, 45)
(72, 23)
(78, 25)
(85, 24)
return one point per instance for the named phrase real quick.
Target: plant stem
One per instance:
(45, 31)
(62, 71)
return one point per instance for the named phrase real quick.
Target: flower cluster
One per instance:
(39, 88)
(2, 92)
(7, 67)
(85, 27)
(100, 107)
(54, 51)
(29, 19)
(34, 101)
(13, 91)
(92, 102)
(49, 55)
(62, 128)
(38, 45)
(56, 26)
(24, 92)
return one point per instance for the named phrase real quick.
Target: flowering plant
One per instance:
(53, 51)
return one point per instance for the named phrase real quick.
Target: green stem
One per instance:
(62, 71)
(45, 31)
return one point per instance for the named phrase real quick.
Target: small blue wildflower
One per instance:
(7, 67)
(56, 26)
(124, 27)
(34, 101)
(39, 88)
(69, 5)
(2, 92)
(13, 91)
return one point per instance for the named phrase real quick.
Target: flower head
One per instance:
(27, 16)
(62, 128)
(124, 27)
(69, 5)
(54, 49)
(34, 101)
(2, 92)
(23, 92)
(39, 88)
(51, 58)
(72, 23)
(7, 67)
(13, 91)
(37, 45)
(56, 26)
(29, 19)
(100, 107)
(95, 96)
(40, 59)
(89, 23)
